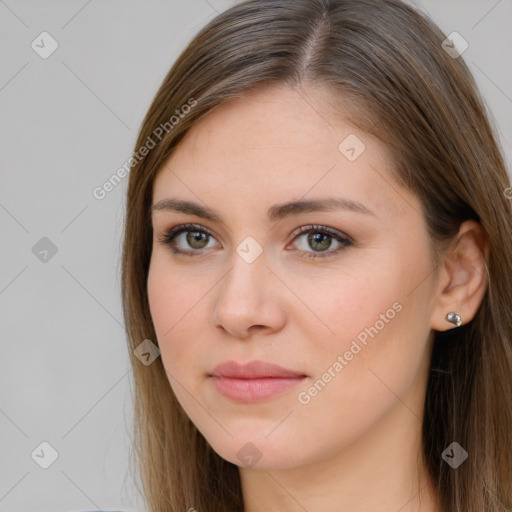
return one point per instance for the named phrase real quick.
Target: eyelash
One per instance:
(168, 238)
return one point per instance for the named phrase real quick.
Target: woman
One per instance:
(318, 245)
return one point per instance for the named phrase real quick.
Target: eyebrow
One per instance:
(275, 212)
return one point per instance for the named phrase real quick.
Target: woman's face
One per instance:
(352, 318)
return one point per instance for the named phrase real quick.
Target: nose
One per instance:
(249, 299)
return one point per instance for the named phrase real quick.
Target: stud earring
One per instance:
(454, 318)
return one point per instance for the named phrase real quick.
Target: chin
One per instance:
(258, 452)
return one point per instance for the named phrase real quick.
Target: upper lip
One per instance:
(252, 370)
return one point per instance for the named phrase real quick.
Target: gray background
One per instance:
(67, 124)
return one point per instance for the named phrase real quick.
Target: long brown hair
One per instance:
(385, 59)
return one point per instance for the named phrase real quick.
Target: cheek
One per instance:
(353, 300)
(376, 314)
(171, 304)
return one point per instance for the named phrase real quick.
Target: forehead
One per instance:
(278, 120)
(275, 145)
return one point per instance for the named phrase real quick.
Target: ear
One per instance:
(463, 276)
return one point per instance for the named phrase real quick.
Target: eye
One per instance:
(196, 237)
(319, 238)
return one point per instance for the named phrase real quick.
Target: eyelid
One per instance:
(302, 229)
(326, 229)
(342, 238)
(168, 236)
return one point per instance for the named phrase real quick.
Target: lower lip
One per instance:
(252, 390)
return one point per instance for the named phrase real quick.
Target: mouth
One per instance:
(253, 390)
(254, 381)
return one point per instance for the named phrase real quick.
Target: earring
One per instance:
(454, 318)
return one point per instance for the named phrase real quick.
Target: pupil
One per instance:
(195, 236)
(319, 238)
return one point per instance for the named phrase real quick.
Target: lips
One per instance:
(254, 381)
(253, 370)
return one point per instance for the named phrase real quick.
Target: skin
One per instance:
(355, 445)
